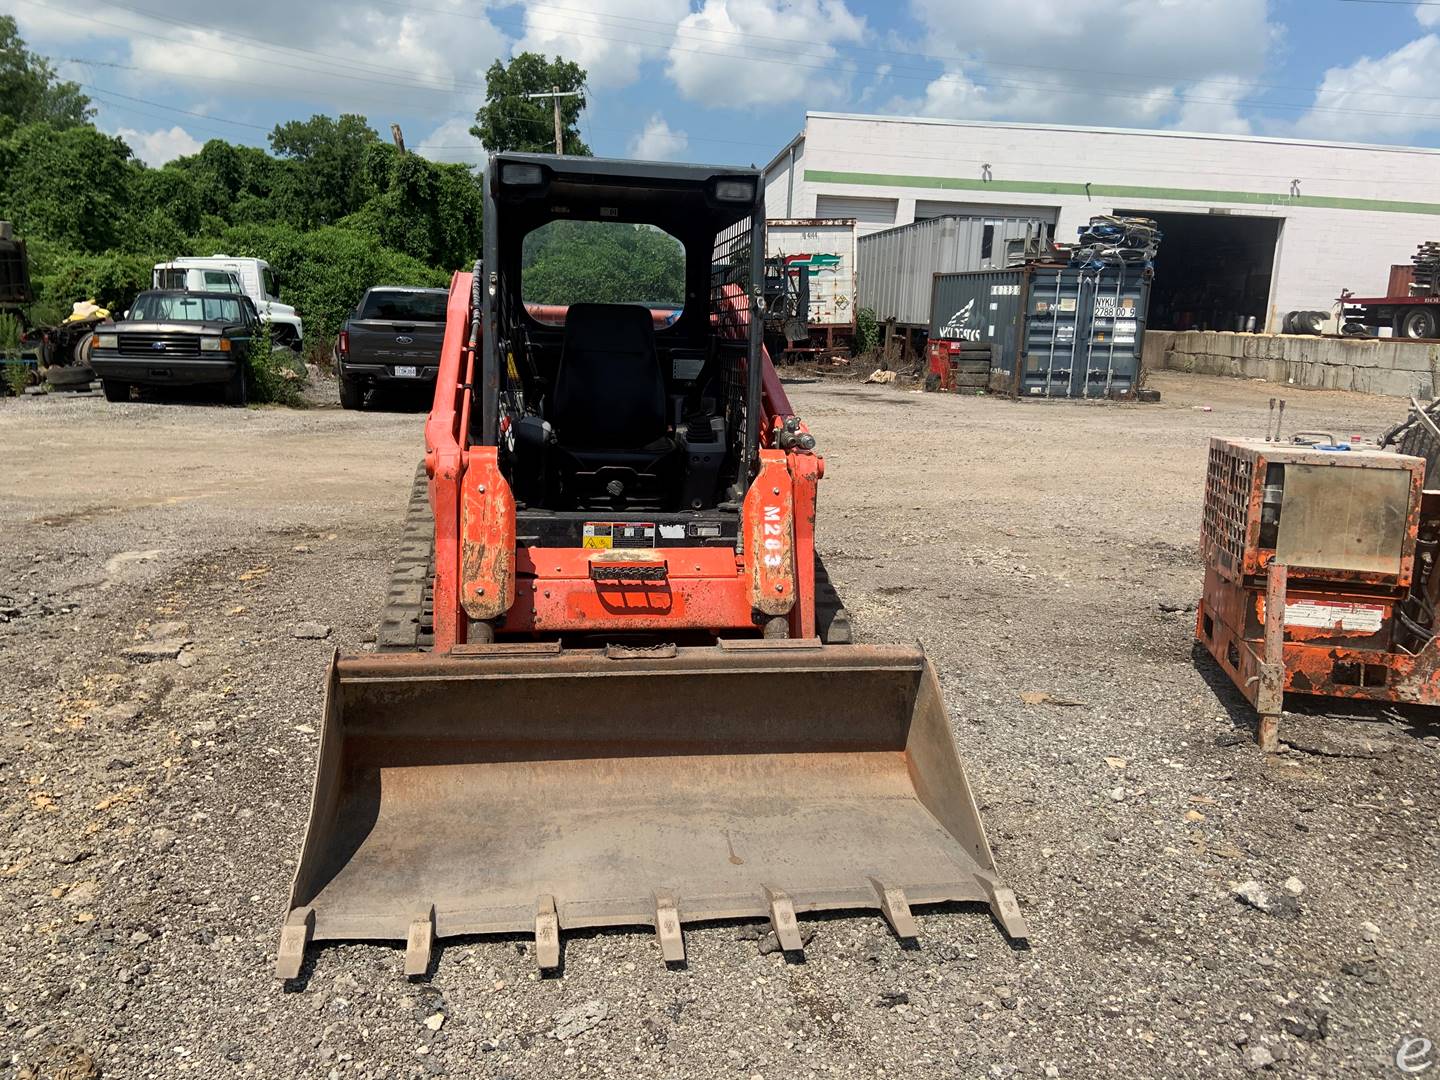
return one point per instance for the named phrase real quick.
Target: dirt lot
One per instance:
(150, 812)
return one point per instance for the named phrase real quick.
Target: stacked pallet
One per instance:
(959, 367)
(1427, 269)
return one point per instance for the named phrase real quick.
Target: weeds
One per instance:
(275, 374)
(867, 330)
(17, 372)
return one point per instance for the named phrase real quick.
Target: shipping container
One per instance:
(1402, 276)
(895, 266)
(825, 249)
(1056, 331)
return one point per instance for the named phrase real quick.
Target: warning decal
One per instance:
(604, 534)
(1368, 618)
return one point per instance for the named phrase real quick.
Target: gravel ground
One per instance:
(157, 741)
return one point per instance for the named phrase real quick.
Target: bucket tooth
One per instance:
(294, 937)
(1005, 908)
(782, 919)
(547, 933)
(896, 909)
(667, 928)
(419, 942)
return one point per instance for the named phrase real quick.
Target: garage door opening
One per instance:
(1213, 271)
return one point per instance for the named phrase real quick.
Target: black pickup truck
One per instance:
(177, 338)
(392, 337)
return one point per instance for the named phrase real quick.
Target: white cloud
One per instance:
(658, 141)
(610, 39)
(759, 52)
(1428, 14)
(336, 57)
(451, 141)
(157, 147)
(1389, 98)
(1214, 105)
(1125, 62)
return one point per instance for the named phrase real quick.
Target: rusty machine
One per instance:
(1320, 566)
(612, 686)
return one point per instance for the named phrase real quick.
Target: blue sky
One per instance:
(730, 80)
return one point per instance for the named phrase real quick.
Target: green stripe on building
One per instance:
(1120, 191)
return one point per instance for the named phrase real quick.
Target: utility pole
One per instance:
(398, 136)
(555, 95)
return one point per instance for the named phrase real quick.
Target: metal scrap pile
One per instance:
(1116, 241)
(1427, 269)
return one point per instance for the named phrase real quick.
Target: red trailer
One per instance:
(1406, 316)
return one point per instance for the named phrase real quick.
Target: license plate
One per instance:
(405, 372)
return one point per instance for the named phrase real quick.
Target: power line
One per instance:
(197, 28)
(788, 51)
(928, 78)
(84, 60)
(1092, 90)
(172, 108)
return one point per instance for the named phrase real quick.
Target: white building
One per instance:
(1252, 226)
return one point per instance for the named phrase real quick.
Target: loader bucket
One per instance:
(526, 788)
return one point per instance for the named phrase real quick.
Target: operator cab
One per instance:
(624, 364)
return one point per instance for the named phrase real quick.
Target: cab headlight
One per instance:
(214, 344)
(107, 341)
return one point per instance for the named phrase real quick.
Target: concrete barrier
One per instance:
(1369, 365)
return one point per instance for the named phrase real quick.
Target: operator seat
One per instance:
(608, 408)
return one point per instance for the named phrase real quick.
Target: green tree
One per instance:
(172, 192)
(429, 211)
(230, 180)
(509, 120)
(30, 91)
(71, 185)
(326, 271)
(327, 178)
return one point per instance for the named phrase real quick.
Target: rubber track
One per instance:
(407, 621)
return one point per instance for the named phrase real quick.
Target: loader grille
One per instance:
(1228, 486)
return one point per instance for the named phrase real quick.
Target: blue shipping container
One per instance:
(1056, 331)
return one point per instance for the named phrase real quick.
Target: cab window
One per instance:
(600, 262)
(219, 281)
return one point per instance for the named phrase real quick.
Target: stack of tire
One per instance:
(1311, 323)
(970, 368)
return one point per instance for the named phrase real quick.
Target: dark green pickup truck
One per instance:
(178, 338)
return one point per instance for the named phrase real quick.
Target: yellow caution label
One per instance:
(598, 541)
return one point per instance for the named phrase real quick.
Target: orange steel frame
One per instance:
(481, 571)
(1240, 621)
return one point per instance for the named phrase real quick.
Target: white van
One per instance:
(254, 278)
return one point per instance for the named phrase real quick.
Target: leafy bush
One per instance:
(273, 376)
(62, 276)
(17, 375)
(867, 330)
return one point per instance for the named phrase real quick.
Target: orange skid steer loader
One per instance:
(613, 686)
